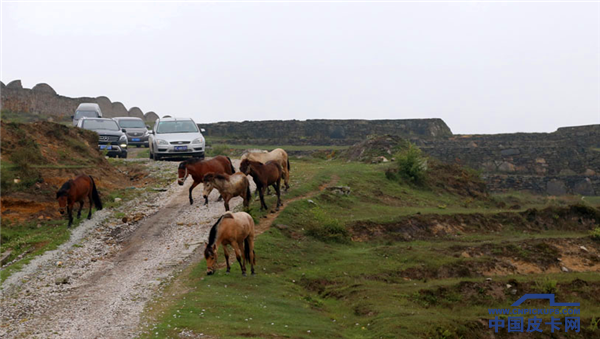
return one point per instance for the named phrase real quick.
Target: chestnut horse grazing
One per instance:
(237, 230)
(264, 175)
(76, 190)
(229, 186)
(198, 168)
(278, 155)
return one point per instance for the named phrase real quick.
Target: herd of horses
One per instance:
(267, 169)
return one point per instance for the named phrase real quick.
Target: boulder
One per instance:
(119, 110)
(136, 112)
(16, 84)
(150, 117)
(510, 151)
(44, 88)
(105, 106)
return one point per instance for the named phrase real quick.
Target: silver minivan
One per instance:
(176, 137)
(87, 110)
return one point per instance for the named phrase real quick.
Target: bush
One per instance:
(547, 285)
(411, 164)
(595, 234)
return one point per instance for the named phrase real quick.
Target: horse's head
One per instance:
(245, 166)
(62, 202)
(210, 254)
(208, 184)
(182, 173)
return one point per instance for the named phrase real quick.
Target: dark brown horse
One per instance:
(229, 186)
(198, 168)
(264, 175)
(76, 190)
(236, 230)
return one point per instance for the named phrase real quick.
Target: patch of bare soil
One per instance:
(576, 217)
(50, 154)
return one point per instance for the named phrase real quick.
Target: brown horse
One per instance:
(229, 186)
(264, 175)
(278, 155)
(198, 168)
(237, 230)
(76, 190)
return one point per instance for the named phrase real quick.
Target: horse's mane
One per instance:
(219, 176)
(212, 236)
(64, 190)
(189, 162)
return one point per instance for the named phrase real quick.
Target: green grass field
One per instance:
(314, 280)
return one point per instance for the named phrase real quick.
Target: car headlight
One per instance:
(123, 145)
(162, 142)
(197, 141)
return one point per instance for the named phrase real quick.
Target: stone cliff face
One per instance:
(326, 132)
(564, 162)
(42, 99)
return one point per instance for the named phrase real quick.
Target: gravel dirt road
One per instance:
(97, 284)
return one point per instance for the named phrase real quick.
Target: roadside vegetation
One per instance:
(391, 259)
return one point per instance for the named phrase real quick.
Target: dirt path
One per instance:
(103, 282)
(266, 222)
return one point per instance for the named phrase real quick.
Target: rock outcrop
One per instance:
(42, 99)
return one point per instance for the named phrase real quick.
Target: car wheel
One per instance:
(138, 146)
(157, 157)
(151, 155)
(124, 155)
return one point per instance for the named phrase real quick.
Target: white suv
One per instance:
(175, 137)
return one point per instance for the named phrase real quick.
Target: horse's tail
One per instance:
(231, 164)
(95, 195)
(247, 249)
(288, 163)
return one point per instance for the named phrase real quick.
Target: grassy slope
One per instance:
(345, 289)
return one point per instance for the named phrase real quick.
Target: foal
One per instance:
(229, 186)
(198, 168)
(75, 191)
(264, 176)
(237, 230)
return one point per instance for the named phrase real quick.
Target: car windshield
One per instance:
(88, 114)
(94, 124)
(131, 124)
(185, 126)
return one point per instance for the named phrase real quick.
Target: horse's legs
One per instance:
(226, 253)
(278, 191)
(220, 198)
(226, 200)
(191, 189)
(70, 213)
(261, 192)
(80, 208)
(238, 254)
(250, 244)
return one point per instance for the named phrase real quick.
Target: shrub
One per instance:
(546, 285)
(412, 165)
(595, 234)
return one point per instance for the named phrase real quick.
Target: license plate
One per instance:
(135, 139)
(181, 148)
(105, 147)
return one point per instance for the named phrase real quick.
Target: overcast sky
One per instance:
(481, 67)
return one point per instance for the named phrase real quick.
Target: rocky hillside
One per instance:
(42, 100)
